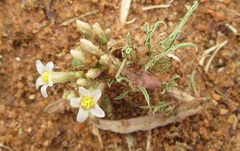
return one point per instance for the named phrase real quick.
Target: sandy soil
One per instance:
(32, 30)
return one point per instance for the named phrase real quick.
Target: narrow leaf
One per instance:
(144, 91)
(121, 95)
(128, 39)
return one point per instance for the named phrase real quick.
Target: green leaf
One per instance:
(122, 95)
(157, 24)
(149, 32)
(183, 45)
(168, 44)
(170, 50)
(128, 39)
(160, 106)
(174, 35)
(171, 84)
(109, 83)
(75, 63)
(144, 107)
(147, 99)
(146, 26)
(156, 59)
(120, 79)
(163, 68)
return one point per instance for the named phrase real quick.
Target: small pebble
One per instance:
(4, 35)
(18, 59)
(218, 133)
(232, 118)
(1, 56)
(31, 97)
(27, 114)
(223, 111)
(216, 97)
(29, 129)
(20, 85)
(195, 135)
(206, 123)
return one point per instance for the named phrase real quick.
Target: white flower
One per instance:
(45, 78)
(87, 103)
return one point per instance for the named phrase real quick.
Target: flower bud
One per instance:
(93, 73)
(99, 34)
(61, 77)
(71, 95)
(105, 60)
(84, 28)
(79, 55)
(83, 82)
(107, 33)
(89, 47)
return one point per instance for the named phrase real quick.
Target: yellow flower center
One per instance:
(87, 102)
(45, 76)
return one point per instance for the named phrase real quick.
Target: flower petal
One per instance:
(44, 91)
(49, 66)
(75, 102)
(50, 82)
(97, 111)
(39, 82)
(82, 115)
(96, 94)
(83, 92)
(40, 67)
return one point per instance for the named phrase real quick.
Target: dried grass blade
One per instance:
(125, 5)
(213, 55)
(74, 19)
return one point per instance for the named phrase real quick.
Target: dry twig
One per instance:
(74, 19)
(152, 121)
